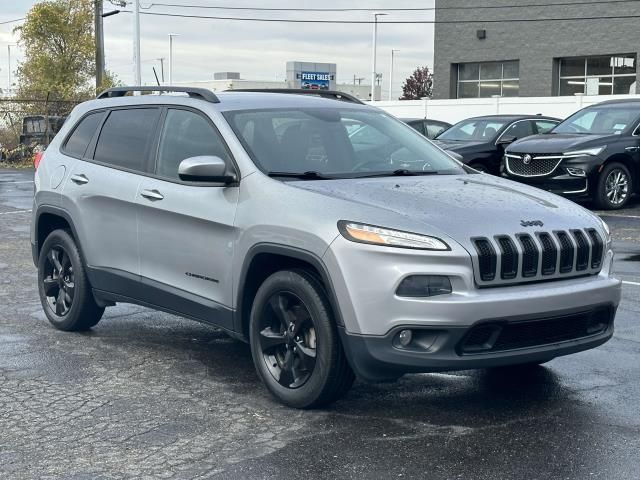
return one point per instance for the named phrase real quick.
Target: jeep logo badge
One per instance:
(527, 159)
(531, 223)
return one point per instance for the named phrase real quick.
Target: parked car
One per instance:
(330, 260)
(481, 140)
(594, 154)
(429, 128)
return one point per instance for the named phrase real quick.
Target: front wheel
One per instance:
(294, 341)
(615, 187)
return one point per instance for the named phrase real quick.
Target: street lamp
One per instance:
(9, 67)
(137, 74)
(393, 50)
(373, 59)
(171, 35)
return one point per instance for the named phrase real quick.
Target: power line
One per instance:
(434, 22)
(410, 9)
(12, 21)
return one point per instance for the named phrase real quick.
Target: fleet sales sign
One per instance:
(315, 80)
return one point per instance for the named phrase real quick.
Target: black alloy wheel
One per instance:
(65, 292)
(58, 282)
(288, 339)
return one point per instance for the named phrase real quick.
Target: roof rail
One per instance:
(201, 93)
(332, 94)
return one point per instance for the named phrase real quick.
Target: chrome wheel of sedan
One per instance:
(617, 186)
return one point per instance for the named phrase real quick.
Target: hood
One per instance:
(459, 147)
(460, 206)
(557, 143)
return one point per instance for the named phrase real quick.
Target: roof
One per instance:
(509, 117)
(618, 101)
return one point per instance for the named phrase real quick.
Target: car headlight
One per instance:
(361, 233)
(588, 152)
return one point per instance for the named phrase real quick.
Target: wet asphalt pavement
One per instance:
(150, 395)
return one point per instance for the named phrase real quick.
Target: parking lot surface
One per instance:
(149, 395)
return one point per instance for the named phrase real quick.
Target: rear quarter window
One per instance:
(126, 136)
(79, 140)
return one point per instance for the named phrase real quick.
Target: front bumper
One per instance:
(435, 349)
(561, 182)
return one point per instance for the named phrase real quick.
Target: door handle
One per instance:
(152, 194)
(79, 179)
(632, 149)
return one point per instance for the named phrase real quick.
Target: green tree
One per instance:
(418, 85)
(59, 45)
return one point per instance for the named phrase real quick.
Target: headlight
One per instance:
(361, 233)
(589, 152)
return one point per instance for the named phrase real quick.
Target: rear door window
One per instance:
(126, 137)
(520, 129)
(79, 140)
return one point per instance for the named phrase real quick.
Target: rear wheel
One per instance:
(63, 286)
(294, 341)
(615, 187)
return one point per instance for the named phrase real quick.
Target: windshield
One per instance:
(473, 130)
(602, 120)
(336, 143)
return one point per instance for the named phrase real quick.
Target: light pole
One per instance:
(9, 68)
(161, 60)
(373, 57)
(391, 74)
(171, 35)
(137, 76)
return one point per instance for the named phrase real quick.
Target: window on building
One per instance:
(598, 75)
(487, 79)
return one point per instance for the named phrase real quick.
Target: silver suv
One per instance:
(332, 252)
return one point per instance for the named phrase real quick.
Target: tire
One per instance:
(480, 167)
(294, 341)
(614, 188)
(67, 299)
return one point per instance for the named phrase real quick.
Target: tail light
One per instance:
(37, 158)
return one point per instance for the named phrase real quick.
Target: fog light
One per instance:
(405, 337)
(576, 172)
(424, 286)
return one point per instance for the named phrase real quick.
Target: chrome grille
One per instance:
(509, 259)
(526, 165)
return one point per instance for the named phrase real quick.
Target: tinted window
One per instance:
(186, 134)
(473, 130)
(419, 126)
(79, 140)
(435, 129)
(125, 137)
(520, 129)
(601, 120)
(545, 126)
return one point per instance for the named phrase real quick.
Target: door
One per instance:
(101, 195)
(186, 231)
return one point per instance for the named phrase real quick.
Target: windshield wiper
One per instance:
(401, 172)
(309, 175)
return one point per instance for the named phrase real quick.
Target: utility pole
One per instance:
(391, 75)
(97, 13)
(137, 76)
(171, 35)
(9, 67)
(161, 59)
(373, 57)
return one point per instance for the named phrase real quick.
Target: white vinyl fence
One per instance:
(454, 110)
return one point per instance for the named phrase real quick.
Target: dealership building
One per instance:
(299, 75)
(487, 52)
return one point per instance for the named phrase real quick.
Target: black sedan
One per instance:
(481, 140)
(594, 154)
(427, 127)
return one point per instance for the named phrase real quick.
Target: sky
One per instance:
(258, 50)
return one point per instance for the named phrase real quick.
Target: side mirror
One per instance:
(506, 140)
(205, 168)
(455, 155)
